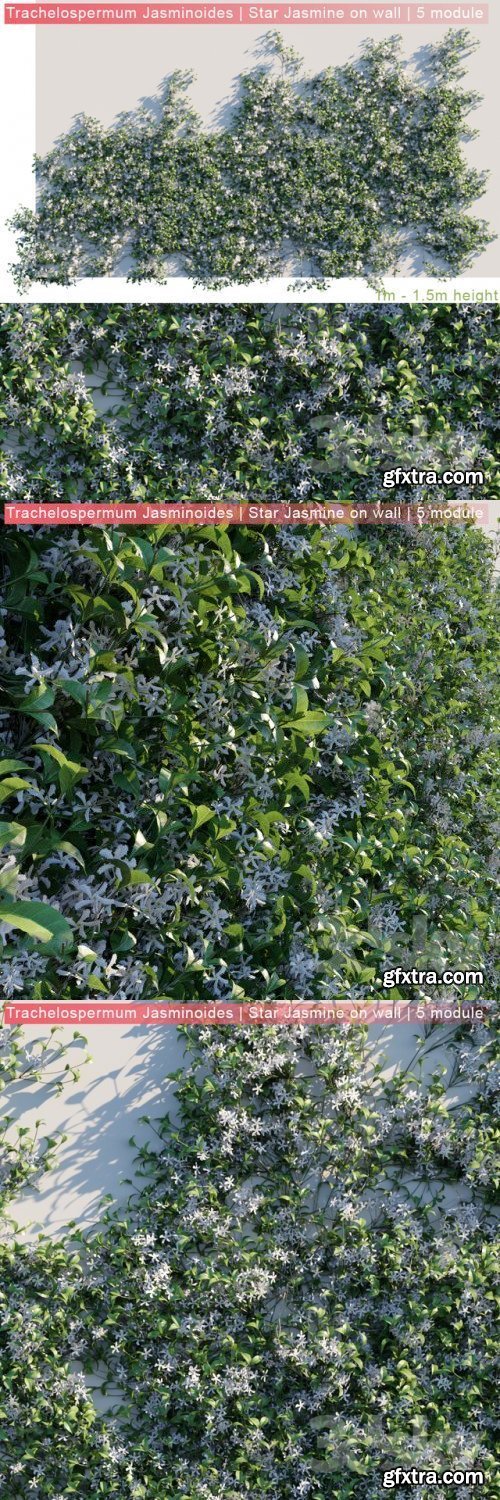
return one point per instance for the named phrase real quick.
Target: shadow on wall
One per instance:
(124, 1080)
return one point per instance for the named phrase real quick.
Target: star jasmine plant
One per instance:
(345, 173)
(247, 763)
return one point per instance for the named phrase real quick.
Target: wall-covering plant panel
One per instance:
(252, 762)
(343, 172)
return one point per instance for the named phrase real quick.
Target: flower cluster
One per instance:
(346, 173)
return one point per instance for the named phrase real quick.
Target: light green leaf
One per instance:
(311, 723)
(12, 784)
(39, 921)
(201, 814)
(12, 833)
(12, 765)
(300, 701)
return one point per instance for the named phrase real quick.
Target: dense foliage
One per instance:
(314, 700)
(253, 762)
(341, 174)
(279, 1313)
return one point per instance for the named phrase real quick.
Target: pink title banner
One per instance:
(438, 513)
(244, 15)
(340, 1013)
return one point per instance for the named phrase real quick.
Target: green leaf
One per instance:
(11, 784)
(39, 921)
(137, 876)
(201, 814)
(46, 720)
(119, 747)
(300, 701)
(69, 770)
(12, 765)
(311, 723)
(70, 848)
(297, 779)
(76, 690)
(302, 661)
(35, 705)
(12, 833)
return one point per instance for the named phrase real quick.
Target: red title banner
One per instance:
(244, 15)
(437, 513)
(340, 1013)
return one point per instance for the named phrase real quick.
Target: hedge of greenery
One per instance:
(249, 762)
(347, 171)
